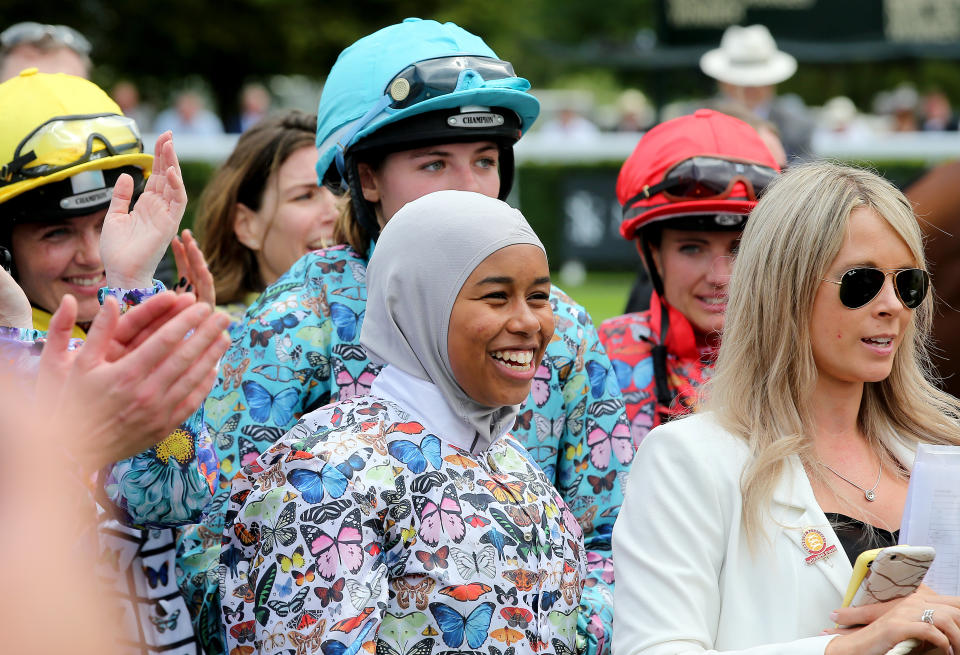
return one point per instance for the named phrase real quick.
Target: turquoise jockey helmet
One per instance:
(414, 84)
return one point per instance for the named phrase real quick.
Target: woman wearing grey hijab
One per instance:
(409, 517)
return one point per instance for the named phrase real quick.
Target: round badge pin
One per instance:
(816, 544)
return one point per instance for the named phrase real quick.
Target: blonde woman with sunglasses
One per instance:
(801, 456)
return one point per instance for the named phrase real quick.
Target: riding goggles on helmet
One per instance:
(31, 32)
(66, 141)
(859, 286)
(436, 77)
(708, 178)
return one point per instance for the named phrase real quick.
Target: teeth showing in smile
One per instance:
(714, 300)
(84, 281)
(879, 341)
(518, 360)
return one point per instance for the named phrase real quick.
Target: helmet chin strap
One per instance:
(665, 396)
(363, 211)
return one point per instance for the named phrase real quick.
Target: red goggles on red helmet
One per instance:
(708, 178)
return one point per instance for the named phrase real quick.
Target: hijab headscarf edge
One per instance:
(424, 255)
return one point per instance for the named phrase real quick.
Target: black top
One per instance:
(856, 536)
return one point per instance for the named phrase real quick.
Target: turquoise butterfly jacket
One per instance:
(360, 526)
(297, 349)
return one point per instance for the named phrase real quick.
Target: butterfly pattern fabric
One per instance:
(629, 340)
(167, 485)
(329, 289)
(423, 579)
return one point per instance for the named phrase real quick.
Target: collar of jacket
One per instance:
(680, 340)
(41, 321)
(799, 511)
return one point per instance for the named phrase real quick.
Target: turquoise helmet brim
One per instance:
(522, 103)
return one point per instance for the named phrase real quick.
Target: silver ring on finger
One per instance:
(927, 616)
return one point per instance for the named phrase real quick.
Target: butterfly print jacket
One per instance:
(298, 349)
(169, 484)
(360, 526)
(629, 340)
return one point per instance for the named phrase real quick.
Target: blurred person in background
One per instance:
(255, 104)
(937, 113)
(413, 108)
(900, 107)
(189, 115)
(839, 119)
(570, 125)
(747, 67)
(686, 192)
(263, 209)
(48, 48)
(127, 96)
(636, 112)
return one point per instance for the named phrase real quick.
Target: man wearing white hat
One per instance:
(747, 67)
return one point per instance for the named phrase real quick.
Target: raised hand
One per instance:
(133, 241)
(122, 394)
(192, 269)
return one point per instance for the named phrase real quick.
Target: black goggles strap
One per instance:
(648, 192)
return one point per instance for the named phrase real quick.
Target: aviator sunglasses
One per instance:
(858, 286)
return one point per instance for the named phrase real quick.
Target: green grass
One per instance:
(603, 294)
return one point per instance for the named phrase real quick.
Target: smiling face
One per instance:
(500, 325)
(853, 346)
(695, 268)
(406, 175)
(54, 259)
(295, 216)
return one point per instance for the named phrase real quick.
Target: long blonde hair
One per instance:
(765, 374)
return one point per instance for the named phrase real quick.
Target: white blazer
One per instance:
(687, 580)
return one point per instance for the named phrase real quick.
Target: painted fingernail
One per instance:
(182, 282)
(189, 287)
(834, 616)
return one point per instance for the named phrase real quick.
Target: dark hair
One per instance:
(260, 151)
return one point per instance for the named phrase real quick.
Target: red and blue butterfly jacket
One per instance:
(298, 349)
(629, 341)
(361, 526)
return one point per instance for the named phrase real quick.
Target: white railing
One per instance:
(616, 147)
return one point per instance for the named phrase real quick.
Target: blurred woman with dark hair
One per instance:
(263, 209)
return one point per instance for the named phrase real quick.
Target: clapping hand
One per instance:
(135, 378)
(133, 240)
(192, 269)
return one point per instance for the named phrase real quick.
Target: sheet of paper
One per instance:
(931, 516)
